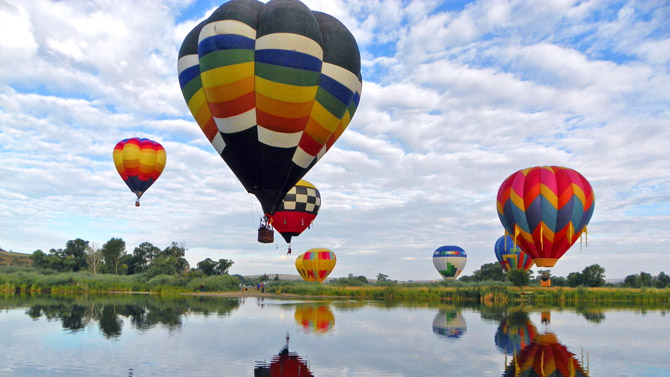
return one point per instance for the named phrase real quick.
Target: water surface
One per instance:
(145, 335)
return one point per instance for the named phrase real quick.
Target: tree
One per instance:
(276, 277)
(143, 255)
(574, 279)
(93, 257)
(39, 258)
(382, 277)
(223, 266)
(77, 249)
(645, 279)
(662, 280)
(488, 271)
(207, 266)
(112, 251)
(518, 277)
(594, 276)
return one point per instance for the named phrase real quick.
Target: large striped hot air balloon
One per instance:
(449, 261)
(515, 333)
(510, 256)
(139, 162)
(315, 264)
(272, 86)
(545, 209)
(297, 211)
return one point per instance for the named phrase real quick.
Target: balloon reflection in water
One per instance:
(515, 333)
(284, 364)
(313, 318)
(449, 324)
(545, 357)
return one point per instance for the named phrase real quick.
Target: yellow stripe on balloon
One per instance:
(161, 159)
(199, 108)
(282, 109)
(147, 160)
(285, 92)
(517, 200)
(322, 116)
(578, 192)
(131, 155)
(549, 195)
(226, 75)
(228, 92)
(118, 160)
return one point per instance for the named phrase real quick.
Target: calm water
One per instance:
(142, 335)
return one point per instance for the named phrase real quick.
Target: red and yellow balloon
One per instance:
(315, 264)
(297, 211)
(139, 162)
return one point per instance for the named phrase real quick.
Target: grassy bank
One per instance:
(31, 280)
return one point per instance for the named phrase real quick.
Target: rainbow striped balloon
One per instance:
(545, 209)
(510, 256)
(139, 162)
(272, 86)
(315, 264)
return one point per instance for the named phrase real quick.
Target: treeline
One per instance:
(590, 276)
(113, 258)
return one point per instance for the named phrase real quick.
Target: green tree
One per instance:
(632, 281)
(208, 266)
(39, 258)
(77, 249)
(382, 277)
(518, 277)
(646, 279)
(574, 279)
(143, 255)
(489, 271)
(594, 276)
(225, 264)
(93, 257)
(112, 251)
(662, 280)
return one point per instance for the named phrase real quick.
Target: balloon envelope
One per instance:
(315, 264)
(510, 256)
(545, 209)
(139, 162)
(272, 86)
(449, 261)
(297, 211)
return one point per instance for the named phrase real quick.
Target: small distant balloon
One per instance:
(315, 264)
(139, 162)
(510, 256)
(449, 261)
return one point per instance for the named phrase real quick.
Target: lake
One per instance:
(146, 335)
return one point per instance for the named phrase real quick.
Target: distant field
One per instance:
(15, 259)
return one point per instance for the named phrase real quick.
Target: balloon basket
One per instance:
(266, 235)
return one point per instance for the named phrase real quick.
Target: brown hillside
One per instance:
(15, 259)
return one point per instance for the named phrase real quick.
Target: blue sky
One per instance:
(456, 97)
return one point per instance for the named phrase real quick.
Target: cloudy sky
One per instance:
(457, 95)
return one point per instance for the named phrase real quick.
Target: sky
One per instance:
(457, 95)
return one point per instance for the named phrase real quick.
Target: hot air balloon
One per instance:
(272, 86)
(545, 209)
(315, 264)
(545, 356)
(510, 256)
(449, 261)
(297, 211)
(139, 162)
(314, 318)
(449, 324)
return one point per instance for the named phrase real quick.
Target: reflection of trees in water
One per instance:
(143, 311)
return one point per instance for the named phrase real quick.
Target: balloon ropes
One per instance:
(315, 264)
(272, 86)
(449, 261)
(139, 162)
(297, 211)
(545, 209)
(510, 256)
